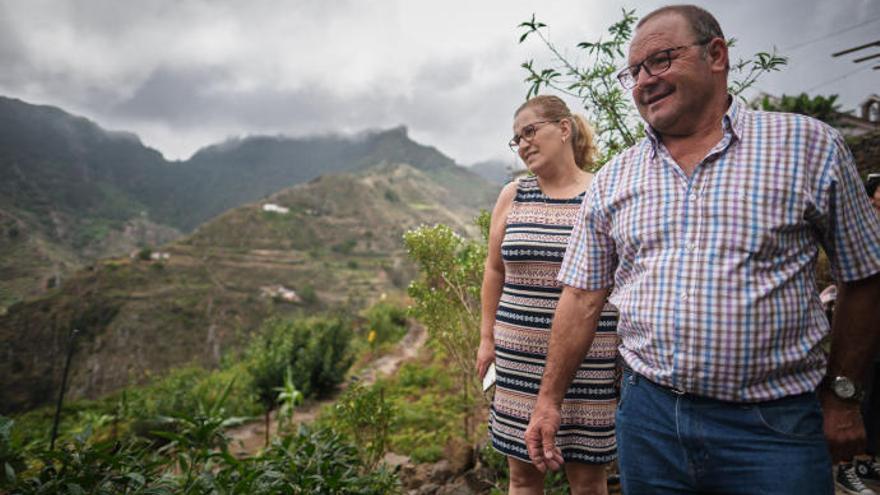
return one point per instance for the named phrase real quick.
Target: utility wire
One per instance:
(860, 69)
(830, 35)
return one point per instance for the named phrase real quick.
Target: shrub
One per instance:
(345, 247)
(365, 414)
(106, 467)
(11, 460)
(309, 462)
(387, 320)
(145, 254)
(316, 349)
(182, 392)
(318, 461)
(446, 299)
(308, 295)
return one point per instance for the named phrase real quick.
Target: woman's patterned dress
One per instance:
(535, 238)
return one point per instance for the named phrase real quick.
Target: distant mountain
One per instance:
(496, 171)
(71, 192)
(338, 246)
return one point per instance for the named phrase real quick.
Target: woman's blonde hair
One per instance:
(582, 135)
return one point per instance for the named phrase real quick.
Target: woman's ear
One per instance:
(565, 128)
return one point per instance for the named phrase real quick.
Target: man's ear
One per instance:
(717, 55)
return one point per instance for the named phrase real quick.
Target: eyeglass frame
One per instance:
(514, 141)
(627, 74)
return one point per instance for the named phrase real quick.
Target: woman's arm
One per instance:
(493, 278)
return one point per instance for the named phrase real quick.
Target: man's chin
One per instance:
(662, 122)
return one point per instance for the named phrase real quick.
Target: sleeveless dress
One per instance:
(535, 239)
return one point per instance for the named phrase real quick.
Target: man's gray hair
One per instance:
(702, 23)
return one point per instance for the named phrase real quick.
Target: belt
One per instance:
(673, 390)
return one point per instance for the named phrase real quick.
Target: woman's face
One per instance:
(545, 147)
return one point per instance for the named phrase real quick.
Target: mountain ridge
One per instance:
(338, 247)
(72, 192)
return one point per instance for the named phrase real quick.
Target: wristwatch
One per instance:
(844, 388)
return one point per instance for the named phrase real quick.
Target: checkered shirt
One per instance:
(714, 275)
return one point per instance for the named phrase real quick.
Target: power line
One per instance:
(860, 69)
(830, 35)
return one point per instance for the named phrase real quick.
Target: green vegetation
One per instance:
(446, 299)
(429, 409)
(387, 320)
(197, 461)
(169, 436)
(824, 108)
(365, 415)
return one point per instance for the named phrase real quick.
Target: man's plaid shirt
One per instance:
(714, 274)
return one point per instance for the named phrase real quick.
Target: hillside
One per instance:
(338, 247)
(497, 171)
(72, 192)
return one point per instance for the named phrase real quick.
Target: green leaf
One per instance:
(10, 473)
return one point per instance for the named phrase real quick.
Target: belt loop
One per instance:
(633, 376)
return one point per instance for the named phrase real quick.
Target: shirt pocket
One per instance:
(756, 221)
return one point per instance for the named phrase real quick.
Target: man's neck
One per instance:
(689, 149)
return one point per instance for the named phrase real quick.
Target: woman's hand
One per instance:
(485, 356)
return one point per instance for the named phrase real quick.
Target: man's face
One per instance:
(671, 102)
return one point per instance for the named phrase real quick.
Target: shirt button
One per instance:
(692, 246)
(693, 197)
(684, 296)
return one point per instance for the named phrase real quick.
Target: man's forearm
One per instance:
(855, 335)
(574, 326)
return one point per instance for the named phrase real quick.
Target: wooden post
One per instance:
(57, 419)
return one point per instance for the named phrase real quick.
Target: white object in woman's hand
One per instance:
(489, 378)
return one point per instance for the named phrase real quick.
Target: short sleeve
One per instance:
(851, 230)
(590, 258)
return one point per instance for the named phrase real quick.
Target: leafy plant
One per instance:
(105, 467)
(316, 350)
(824, 108)
(387, 320)
(318, 461)
(446, 299)
(288, 398)
(11, 459)
(428, 406)
(365, 414)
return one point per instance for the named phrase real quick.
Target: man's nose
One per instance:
(644, 78)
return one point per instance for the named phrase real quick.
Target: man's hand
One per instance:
(541, 438)
(843, 425)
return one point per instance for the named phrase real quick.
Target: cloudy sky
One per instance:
(183, 74)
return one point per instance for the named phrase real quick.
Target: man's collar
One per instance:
(731, 121)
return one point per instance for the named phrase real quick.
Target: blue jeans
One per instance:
(671, 443)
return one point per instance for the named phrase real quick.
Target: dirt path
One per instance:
(249, 438)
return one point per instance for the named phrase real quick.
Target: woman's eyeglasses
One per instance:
(528, 133)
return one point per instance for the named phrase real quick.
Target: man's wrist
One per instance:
(843, 388)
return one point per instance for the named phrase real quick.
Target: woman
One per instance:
(531, 224)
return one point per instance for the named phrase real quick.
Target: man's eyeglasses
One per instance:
(654, 64)
(528, 133)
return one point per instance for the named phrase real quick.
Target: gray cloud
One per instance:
(183, 74)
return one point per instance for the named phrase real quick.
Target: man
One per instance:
(709, 231)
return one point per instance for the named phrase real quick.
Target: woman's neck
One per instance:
(564, 181)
